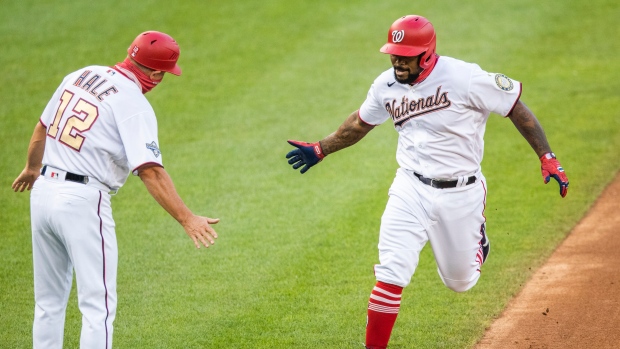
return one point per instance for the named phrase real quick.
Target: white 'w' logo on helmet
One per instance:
(398, 35)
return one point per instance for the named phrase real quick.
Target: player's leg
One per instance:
(459, 238)
(91, 242)
(402, 237)
(53, 272)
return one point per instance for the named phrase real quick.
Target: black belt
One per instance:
(439, 184)
(71, 176)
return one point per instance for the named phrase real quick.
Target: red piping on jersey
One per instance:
(518, 97)
(41, 122)
(147, 163)
(360, 117)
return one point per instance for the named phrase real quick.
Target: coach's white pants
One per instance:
(450, 219)
(73, 229)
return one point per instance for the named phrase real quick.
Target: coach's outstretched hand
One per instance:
(199, 229)
(306, 155)
(550, 167)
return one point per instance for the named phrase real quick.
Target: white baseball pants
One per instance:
(73, 229)
(451, 219)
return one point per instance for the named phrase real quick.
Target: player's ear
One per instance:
(156, 75)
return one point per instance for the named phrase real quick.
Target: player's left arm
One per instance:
(526, 122)
(31, 172)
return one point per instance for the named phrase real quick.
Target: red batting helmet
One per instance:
(411, 36)
(157, 51)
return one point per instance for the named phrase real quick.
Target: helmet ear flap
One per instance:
(426, 59)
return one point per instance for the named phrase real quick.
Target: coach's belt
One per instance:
(443, 184)
(55, 173)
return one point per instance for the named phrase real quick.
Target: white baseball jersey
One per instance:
(441, 121)
(99, 124)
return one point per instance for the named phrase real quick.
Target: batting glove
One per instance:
(551, 167)
(306, 155)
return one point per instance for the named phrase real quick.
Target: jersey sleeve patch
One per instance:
(153, 147)
(503, 82)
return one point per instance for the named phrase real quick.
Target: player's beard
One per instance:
(411, 78)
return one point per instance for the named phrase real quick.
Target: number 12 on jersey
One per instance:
(81, 119)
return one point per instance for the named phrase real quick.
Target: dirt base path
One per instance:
(573, 301)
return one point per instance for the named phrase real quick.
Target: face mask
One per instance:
(145, 82)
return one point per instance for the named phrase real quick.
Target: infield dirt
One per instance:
(573, 300)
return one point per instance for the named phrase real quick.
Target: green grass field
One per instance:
(293, 265)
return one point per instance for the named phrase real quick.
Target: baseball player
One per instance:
(97, 128)
(439, 106)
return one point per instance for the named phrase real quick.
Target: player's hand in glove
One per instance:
(550, 167)
(306, 155)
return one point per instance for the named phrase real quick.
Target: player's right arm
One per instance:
(160, 186)
(31, 172)
(352, 130)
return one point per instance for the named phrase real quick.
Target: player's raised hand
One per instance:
(25, 180)
(200, 231)
(551, 167)
(306, 155)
